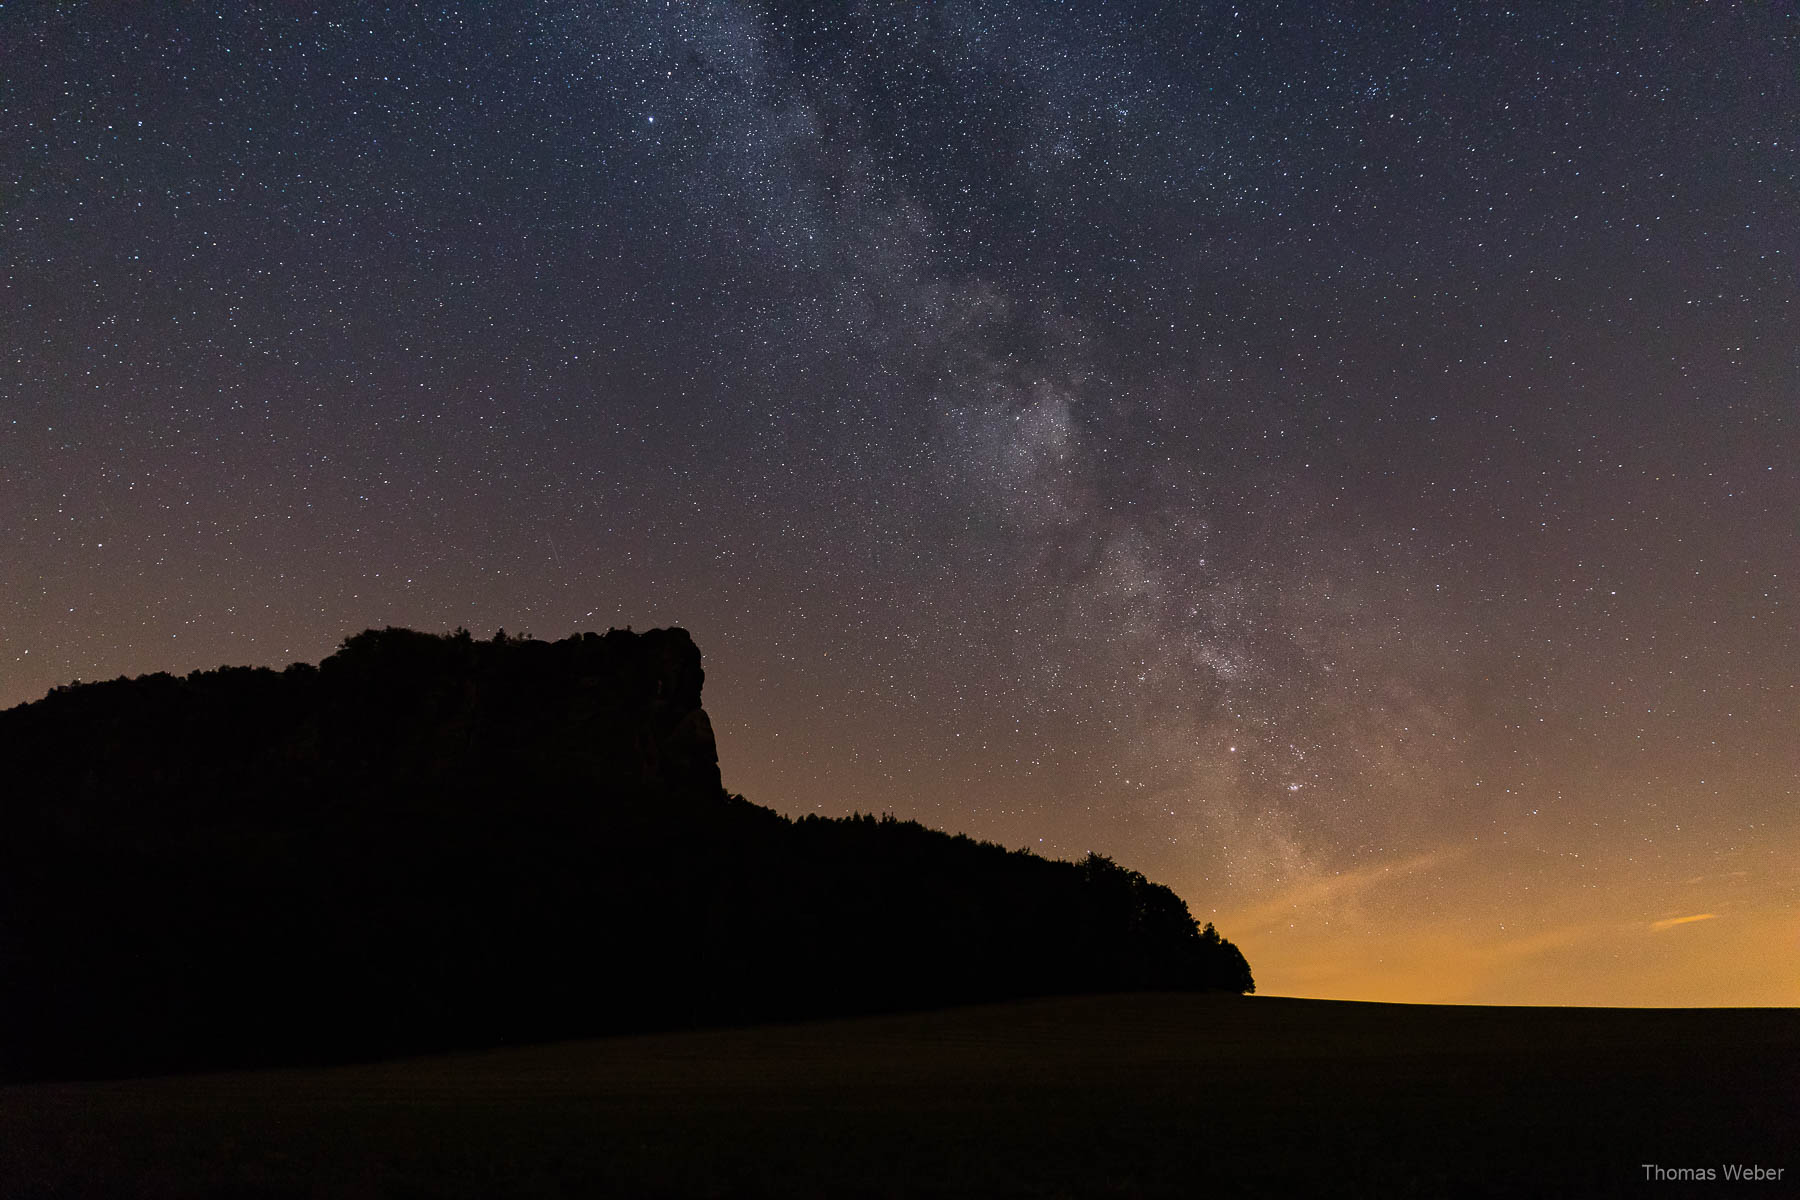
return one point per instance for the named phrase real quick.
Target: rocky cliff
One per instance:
(619, 713)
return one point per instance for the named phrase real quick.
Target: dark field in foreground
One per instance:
(1153, 1094)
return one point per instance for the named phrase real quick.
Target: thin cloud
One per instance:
(1315, 892)
(1672, 922)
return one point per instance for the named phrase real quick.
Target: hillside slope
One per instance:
(1135, 1095)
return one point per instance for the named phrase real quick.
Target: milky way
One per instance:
(1335, 458)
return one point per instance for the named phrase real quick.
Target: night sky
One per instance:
(1340, 459)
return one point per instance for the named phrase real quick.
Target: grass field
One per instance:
(1166, 1095)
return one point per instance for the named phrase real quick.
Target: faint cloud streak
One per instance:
(1672, 922)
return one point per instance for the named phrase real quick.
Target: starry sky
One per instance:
(1341, 459)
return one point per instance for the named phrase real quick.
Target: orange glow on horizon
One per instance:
(1451, 928)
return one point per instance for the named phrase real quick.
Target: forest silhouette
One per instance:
(431, 842)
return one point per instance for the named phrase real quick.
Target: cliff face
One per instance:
(618, 712)
(391, 714)
(427, 842)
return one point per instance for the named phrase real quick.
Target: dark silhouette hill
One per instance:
(429, 842)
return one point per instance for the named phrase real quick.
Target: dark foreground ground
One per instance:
(1166, 1095)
